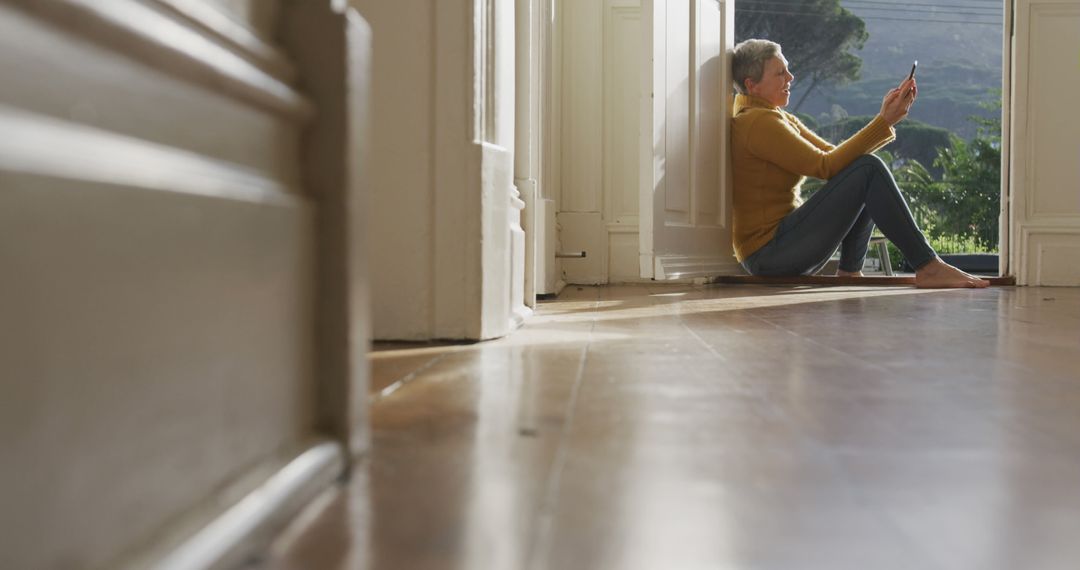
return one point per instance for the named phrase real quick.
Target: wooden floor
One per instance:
(725, 427)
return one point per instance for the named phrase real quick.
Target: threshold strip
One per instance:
(1006, 281)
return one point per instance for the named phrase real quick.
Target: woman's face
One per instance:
(775, 84)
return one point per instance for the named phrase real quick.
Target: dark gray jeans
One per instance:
(843, 213)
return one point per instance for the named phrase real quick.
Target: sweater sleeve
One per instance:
(811, 136)
(774, 140)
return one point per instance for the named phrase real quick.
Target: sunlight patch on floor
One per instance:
(735, 303)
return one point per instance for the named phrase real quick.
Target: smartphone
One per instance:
(913, 66)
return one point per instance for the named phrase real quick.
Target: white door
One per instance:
(1045, 204)
(685, 228)
(596, 182)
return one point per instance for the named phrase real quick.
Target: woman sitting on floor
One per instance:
(773, 152)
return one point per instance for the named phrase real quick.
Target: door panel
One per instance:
(622, 100)
(676, 99)
(685, 164)
(710, 112)
(600, 102)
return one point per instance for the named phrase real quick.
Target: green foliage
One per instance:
(942, 245)
(962, 204)
(817, 36)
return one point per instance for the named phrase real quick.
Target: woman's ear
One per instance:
(748, 85)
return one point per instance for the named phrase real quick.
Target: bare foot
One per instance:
(940, 275)
(842, 273)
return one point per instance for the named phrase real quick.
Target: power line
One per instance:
(845, 3)
(969, 3)
(924, 11)
(888, 19)
(1000, 5)
(948, 12)
(783, 13)
(966, 4)
(807, 13)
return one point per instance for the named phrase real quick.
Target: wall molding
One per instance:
(622, 227)
(237, 36)
(50, 147)
(1039, 12)
(175, 47)
(666, 267)
(1030, 272)
(249, 525)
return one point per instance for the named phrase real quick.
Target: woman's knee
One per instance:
(870, 160)
(880, 177)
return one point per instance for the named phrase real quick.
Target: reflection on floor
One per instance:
(724, 427)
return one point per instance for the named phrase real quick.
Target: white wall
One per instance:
(159, 276)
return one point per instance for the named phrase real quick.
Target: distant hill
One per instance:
(959, 66)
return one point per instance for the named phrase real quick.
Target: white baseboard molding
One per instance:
(248, 526)
(1048, 254)
(667, 267)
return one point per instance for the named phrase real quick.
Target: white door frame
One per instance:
(528, 135)
(1006, 264)
(544, 127)
(1010, 257)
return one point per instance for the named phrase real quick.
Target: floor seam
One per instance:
(694, 334)
(826, 346)
(537, 558)
(400, 383)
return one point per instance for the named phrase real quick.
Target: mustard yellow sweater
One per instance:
(772, 153)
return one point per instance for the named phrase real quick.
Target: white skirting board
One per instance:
(668, 267)
(248, 526)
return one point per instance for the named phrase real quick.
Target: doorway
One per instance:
(949, 158)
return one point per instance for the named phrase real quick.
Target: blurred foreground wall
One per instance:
(157, 272)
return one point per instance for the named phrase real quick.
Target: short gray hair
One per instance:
(748, 61)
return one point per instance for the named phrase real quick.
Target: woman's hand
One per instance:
(898, 101)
